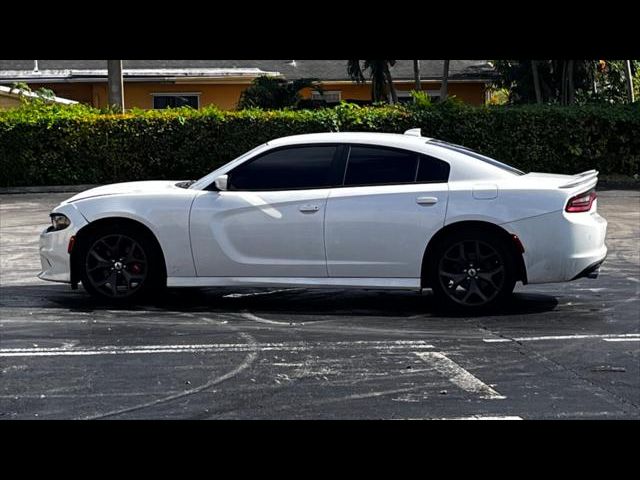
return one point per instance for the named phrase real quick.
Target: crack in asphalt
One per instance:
(246, 363)
(525, 350)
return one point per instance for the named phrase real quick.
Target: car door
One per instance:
(379, 222)
(269, 223)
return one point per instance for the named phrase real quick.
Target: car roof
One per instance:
(391, 139)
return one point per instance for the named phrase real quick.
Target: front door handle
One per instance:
(309, 208)
(427, 200)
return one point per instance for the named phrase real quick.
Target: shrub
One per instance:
(44, 144)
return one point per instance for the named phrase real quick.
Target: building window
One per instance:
(404, 96)
(329, 96)
(175, 100)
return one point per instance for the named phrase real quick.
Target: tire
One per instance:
(472, 270)
(121, 263)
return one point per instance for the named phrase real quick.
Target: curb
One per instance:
(46, 189)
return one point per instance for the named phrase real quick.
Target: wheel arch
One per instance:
(510, 239)
(85, 233)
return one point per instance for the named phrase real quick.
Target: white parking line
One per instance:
(562, 337)
(483, 417)
(621, 339)
(255, 318)
(207, 348)
(458, 375)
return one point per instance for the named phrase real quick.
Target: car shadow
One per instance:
(294, 301)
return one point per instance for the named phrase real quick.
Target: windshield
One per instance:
(209, 178)
(476, 155)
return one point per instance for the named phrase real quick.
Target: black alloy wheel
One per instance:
(116, 266)
(472, 270)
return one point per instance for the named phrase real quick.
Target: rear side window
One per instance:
(432, 170)
(384, 166)
(286, 169)
(379, 166)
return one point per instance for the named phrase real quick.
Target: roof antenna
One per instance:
(293, 63)
(35, 66)
(416, 132)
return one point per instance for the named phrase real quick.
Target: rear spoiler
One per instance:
(579, 179)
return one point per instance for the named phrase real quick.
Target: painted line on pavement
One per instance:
(458, 375)
(255, 318)
(561, 337)
(483, 417)
(207, 348)
(621, 339)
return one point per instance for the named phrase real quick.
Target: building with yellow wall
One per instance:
(161, 83)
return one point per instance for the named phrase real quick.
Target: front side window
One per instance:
(286, 169)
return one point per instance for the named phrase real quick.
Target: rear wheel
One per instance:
(120, 263)
(473, 270)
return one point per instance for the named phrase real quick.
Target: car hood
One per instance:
(152, 186)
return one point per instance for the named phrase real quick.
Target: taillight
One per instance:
(582, 202)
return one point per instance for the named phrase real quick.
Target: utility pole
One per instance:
(416, 74)
(115, 84)
(629, 80)
(444, 86)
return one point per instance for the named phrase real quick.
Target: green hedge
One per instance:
(58, 145)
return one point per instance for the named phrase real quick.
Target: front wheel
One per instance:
(120, 264)
(473, 270)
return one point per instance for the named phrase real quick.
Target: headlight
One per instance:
(58, 222)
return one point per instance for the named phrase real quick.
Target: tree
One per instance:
(629, 80)
(275, 93)
(382, 87)
(444, 85)
(560, 81)
(115, 85)
(536, 81)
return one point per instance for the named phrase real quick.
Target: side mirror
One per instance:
(221, 182)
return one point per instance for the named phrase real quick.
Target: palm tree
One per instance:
(381, 81)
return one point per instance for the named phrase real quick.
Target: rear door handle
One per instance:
(309, 208)
(426, 200)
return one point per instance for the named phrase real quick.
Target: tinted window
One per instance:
(379, 166)
(286, 169)
(477, 156)
(432, 170)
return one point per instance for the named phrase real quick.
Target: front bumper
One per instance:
(561, 246)
(54, 257)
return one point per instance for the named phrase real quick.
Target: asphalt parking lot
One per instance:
(559, 351)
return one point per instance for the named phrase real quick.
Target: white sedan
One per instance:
(337, 210)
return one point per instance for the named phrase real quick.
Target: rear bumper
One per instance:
(592, 271)
(561, 246)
